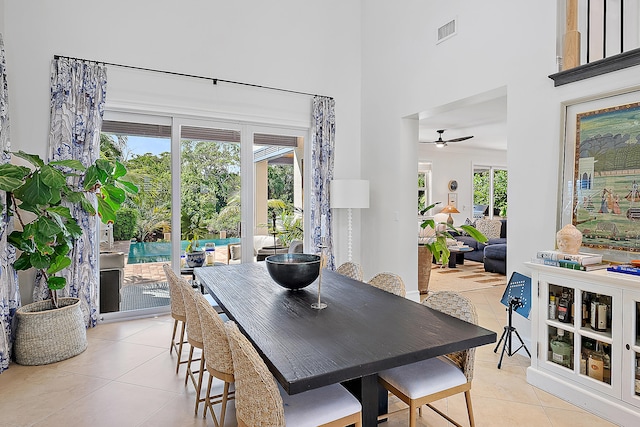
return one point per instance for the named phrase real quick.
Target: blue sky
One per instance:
(141, 145)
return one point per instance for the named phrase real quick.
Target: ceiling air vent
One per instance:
(447, 31)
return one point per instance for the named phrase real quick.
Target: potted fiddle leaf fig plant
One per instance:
(39, 198)
(442, 231)
(436, 247)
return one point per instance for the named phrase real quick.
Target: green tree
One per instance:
(280, 185)
(210, 176)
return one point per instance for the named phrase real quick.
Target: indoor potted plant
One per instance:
(435, 246)
(38, 198)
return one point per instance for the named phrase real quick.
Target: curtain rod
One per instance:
(193, 76)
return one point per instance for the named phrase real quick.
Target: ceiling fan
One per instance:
(443, 143)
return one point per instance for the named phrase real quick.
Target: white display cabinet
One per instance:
(592, 361)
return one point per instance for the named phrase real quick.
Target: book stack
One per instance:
(580, 261)
(625, 268)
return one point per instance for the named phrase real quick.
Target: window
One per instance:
(424, 186)
(489, 191)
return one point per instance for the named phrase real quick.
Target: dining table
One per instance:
(362, 331)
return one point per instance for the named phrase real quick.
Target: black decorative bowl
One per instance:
(293, 271)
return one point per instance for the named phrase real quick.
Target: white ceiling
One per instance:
(485, 119)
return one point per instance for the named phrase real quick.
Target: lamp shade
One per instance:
(450, 209)
(349, 193)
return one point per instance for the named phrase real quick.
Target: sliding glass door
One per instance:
(221, 186)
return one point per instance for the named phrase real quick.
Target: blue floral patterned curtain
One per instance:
(322, 145)
(9, 292)
(78, 92)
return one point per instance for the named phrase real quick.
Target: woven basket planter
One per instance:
(425, 258)
(45, 334)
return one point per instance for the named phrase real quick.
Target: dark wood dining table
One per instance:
(363, 330)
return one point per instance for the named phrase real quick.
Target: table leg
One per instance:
(374, 398)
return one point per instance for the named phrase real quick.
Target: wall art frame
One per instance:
(452, 200)
(601, 173)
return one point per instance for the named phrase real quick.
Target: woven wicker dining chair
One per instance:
(217, 358)
(352, 270)
(260, 402)
(177, 312)
(389, 282)
(194, 337)
(429, 380)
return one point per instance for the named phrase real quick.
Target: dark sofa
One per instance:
(495, 259)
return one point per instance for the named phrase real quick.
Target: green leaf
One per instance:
(62, 211)
(428, 223)
(39, 261)
(52, 177)
(473, 232)
(116, 195)
(129, 187)
(428, 208)
(73, 196)
(34, 191)
(47, 227)
(62, 248)
(74, 229)
(21, 241)
(56, 283)
(87, 206)
(58, 263)
(105, 211)
(106, 166)
(73, 164)
(119, 171)
(31, 158)
(22, 263)
(12, 176)
(90, 177)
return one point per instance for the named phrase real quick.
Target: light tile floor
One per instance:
(127, 378)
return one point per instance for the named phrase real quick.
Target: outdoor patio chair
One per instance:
(217, 358)
(194, 337)
(352, 270)
(259, 400)
(177, 312)
(433, 379)
(389, 282)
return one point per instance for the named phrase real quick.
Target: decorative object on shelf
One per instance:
(46, 238)
(569, 239)
(604, 209)
(453, 185)
(349, 194)
(449, 209)
(293, 271)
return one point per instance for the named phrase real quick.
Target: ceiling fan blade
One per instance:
(463, 138)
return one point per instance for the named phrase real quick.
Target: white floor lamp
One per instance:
(349, 194)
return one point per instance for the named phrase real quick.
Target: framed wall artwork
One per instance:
(452, 200)
(601, 174)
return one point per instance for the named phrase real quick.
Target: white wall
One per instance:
(310, 47)
(2, 16)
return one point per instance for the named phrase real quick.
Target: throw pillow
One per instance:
(489, 227)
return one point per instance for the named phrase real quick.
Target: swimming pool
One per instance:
(142, 252)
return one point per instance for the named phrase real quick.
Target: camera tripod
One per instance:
(514, 304)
